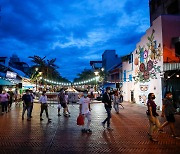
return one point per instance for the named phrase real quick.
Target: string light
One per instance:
(75, 83)
(55, 82)
(86, 81)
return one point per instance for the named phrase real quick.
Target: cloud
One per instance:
(73, 31)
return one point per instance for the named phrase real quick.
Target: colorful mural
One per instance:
(147, 60)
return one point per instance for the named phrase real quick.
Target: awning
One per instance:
(171, 66)
(4, 82)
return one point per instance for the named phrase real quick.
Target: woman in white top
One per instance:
(116, 101)
(44, 106)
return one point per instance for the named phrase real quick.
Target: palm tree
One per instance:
(47, 67)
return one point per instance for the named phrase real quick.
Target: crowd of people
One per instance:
(109, 98)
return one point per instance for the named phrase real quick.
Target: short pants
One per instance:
(170, 118)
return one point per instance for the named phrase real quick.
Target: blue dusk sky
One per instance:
(72, 31)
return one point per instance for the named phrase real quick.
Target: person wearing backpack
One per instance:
(108, 105)
(4, 98)
(116, 101)
(26, 98)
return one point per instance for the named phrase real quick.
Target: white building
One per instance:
(146, 74)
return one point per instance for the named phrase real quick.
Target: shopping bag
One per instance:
(80, 120)
(59, 106)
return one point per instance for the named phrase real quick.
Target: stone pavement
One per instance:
(62, 135)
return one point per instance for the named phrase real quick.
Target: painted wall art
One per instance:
(147, 60)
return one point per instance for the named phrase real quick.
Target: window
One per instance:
(131, 58)
(130, 77)
(124, 75)
(177, 49)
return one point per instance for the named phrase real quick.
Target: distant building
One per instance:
(17, 64)
(115, 76)
(96, 65)
(163, 7)
(109, 59)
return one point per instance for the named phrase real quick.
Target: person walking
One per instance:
(116, 101)
(108, 105)
(154, 123)
(67, 101)
(85, 110)
(11, 95)
(26, 98)
(168, 111)
(62, 101)
(44, 106)
(4, 98)
(32, 102)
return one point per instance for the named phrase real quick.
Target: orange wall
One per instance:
(170, 29)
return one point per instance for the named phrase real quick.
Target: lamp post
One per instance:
(36, 69)
(96, 74)
(37, 76)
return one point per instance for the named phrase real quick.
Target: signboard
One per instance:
(11, 75)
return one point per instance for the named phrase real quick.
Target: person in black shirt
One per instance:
(108, 105)
(26, 105)
(168, 110)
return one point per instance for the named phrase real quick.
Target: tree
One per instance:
(85, 75)
(47, 67)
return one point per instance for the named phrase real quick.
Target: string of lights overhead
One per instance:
(75, 83)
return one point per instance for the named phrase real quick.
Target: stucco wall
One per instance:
(147, 65)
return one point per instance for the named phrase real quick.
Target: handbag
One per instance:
(80, 120)
(59, 106)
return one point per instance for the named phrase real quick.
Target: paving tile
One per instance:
(62, 135)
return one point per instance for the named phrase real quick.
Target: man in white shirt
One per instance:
(44, 106)
(85, 110)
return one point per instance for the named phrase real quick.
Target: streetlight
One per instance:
(96, 74)
(39, 74)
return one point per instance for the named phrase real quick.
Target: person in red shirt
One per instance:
(154, 123)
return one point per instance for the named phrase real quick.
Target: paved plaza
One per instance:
(62, 135)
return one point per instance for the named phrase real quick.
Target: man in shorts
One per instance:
(168, 111)
(85, 110)
(63, 103)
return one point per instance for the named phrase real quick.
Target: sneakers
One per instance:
(153, 139)
(161, 131)
(66, 115)
(41, 119)
(59, 115)
(176, 137)
(109, 128)
(103, 124)
(83, 130)
(49, 120)
(88, 131)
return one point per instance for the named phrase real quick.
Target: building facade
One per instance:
(110, 59)
(149, 60)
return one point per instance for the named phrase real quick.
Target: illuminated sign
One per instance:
(11, 75)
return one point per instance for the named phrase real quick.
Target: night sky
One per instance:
(73, 31)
